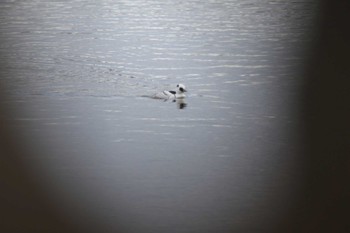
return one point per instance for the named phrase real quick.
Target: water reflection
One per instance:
(181, 104)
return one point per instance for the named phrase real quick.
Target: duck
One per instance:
(179, 93)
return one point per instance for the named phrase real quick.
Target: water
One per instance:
(225, 159)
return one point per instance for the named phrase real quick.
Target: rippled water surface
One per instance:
(223, 159)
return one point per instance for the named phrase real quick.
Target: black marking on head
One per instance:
(177, 85)
(173, 92)
(181, 89)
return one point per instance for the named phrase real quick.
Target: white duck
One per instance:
(178, 94)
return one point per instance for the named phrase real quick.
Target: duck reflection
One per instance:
(181, 104)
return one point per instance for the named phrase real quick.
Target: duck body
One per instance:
(178, 94)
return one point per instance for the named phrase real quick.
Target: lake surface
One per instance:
(225, 159)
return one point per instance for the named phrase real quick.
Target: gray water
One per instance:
(224, 159)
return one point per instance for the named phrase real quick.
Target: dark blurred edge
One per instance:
(324, 203)
(325, 136)
(24, 207)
